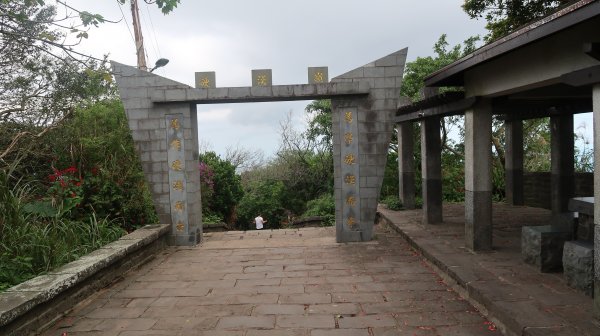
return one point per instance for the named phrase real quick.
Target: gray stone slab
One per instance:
(239, 92)
(205, 80)
(318, 75)
(542, 246)
(262, 77)
(582, 205)
(578, 266)
(218, 93)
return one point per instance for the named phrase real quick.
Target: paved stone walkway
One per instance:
(524, 300)
(285, 282)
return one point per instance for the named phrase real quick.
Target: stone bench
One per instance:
(32, 305)
(578, 255)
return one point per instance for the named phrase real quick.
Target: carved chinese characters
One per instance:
(177, 181)
(350, 169)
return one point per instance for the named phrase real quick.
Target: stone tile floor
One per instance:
(524, 300)
(279, 282)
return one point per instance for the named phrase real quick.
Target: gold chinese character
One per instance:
(348, 137)
(261, 80)
(180, 226)
(350, 159)
(319, 77)
(179, 206)
(350, 179)
(175, 124)
(351, 200)
(176, 165)
(178, 185)
(349, 117)
(205, 82)
(176, 144)
(351, 221)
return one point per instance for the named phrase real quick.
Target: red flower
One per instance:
(70, 170)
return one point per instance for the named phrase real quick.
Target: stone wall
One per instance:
(536, 188)
(28, 308)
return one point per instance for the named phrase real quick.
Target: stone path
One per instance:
(285, 282)
(524, 300)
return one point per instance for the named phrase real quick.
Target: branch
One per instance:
(499, 149)
(20, 135)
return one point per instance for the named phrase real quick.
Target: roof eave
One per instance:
(452, 75)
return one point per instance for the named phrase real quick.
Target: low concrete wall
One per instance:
(29, 307)
(536, 188)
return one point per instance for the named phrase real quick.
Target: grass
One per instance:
(32, 245)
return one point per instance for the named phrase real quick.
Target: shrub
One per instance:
(392, 202)
(33, 244)
(323, 206)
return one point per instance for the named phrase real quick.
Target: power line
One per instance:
(125, 21)
(156, 45)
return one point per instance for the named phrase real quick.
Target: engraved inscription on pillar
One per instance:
(177, 181)
(350, 169)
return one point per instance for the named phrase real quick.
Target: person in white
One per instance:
(259, 222)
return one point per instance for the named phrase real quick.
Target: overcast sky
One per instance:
(232, 37)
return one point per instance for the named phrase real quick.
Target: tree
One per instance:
(225, 184)
(506, 16)
(42, 75)
(34, 24)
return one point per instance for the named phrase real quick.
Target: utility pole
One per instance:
(139, 39)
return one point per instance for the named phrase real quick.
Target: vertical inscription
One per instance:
(350, 169)
(177, 181)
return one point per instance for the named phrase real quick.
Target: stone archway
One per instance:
(163, 121)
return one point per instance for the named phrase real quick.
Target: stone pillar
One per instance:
(596, 100)
(406, 164)
(362, 130)
(166, 138)
(563, 169)
(543, 246)
(478, 182)
(513, 164)
(431, 170)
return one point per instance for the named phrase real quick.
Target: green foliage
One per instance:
(264, 197)
(211, 219)
(223, 186)
(392, 202)
(390, 178)
(105, 173)
(536, 145)
(506, 16)
(319, 125)
(324, 206)
(422, 67)
(31, 245)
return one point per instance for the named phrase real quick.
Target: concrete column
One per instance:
(431, 170)
(406, 164)
(596, 99)
(478, 182)
(563, 168)
(513, 164)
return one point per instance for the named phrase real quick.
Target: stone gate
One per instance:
(162, 117)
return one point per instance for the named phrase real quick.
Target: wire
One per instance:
(125, 21)
(156, 45)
